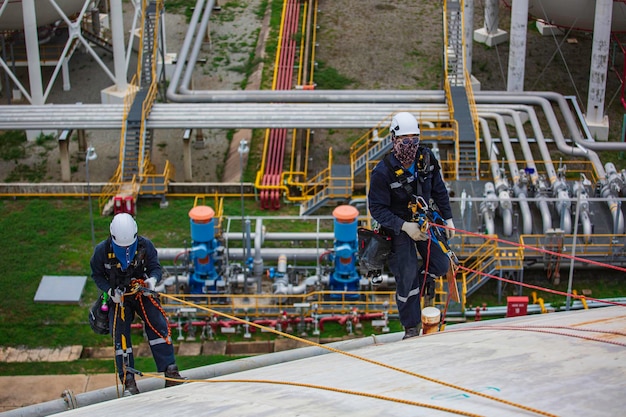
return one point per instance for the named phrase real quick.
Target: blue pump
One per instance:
(345, 276)
(205, 253)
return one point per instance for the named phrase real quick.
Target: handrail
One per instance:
(469, 90)
(271, 305)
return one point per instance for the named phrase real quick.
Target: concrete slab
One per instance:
(214, 348)
(62, 354)
(21, 391)
(60, 289)
(189, 349)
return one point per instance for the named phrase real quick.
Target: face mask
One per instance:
(405, 152)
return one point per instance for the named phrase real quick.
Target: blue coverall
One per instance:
(107, 273)
(388, 204)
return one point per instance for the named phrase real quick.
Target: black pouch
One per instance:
(99, 319)
(374, 248)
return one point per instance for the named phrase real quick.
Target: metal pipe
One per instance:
(542, 205)
(500, 182)
(302, 254)
(488, 208)
(557, 183)
(519, 184)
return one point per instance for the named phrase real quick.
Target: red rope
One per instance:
(139, 297)
(536, 287)
(534, 248)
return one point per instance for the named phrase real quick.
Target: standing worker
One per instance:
(126, 267)
(409, 171)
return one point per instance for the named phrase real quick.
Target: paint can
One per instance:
(431, 317)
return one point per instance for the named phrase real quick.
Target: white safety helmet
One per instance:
(404, 123)
(123, 230)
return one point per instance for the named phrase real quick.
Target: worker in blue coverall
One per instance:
(409, 168)
(121, 266)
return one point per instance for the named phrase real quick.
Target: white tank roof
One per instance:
(571, 363)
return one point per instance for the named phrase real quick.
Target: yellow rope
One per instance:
(265, 328)
(321, 387)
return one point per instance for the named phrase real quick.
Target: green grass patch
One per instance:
(105, 366)
(328, 78)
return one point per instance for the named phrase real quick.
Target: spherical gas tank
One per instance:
(576, 14)
(13, 19)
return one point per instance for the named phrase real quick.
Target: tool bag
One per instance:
(98, 319)
(374, 248)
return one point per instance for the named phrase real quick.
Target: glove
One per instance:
(115, 295)
(151, 283)
(413, 230)
(450, 232)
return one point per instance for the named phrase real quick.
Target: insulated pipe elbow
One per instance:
(566, 220)
(546, 217)
(616, 214)
(488, 221)
(527, 218)
(587, 228)
(506, 212)
(507, 222)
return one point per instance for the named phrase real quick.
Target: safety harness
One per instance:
(122, 279)
(412, 183)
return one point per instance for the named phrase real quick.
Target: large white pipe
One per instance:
(559, 187)
(599, 61)
(468, 33)
(295, 254)
(542, 99)
(32, 51)
(584, 148)
(517, 46)
(117, 32)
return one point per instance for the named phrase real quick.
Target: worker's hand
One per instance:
(116, 295)
(151, 283)
(413, 230)
(450, 232)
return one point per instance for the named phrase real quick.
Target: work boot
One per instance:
(130, 385)
(411, 332)
(172, 372)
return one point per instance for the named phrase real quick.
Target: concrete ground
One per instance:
(20, 391)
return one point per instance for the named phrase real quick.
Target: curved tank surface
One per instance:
(12, 18)
(577, 14)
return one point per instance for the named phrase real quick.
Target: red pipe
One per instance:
(284, 81)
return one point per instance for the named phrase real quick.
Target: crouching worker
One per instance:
(126, 267)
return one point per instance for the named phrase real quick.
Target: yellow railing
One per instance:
(273, 305)
(446, 86)
(319, 181)
(596, 245)
(472, 105)
(217, 206)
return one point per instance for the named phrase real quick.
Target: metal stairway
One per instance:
(336, 187)
(460, 93)
(136, 141)
(373, 153)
